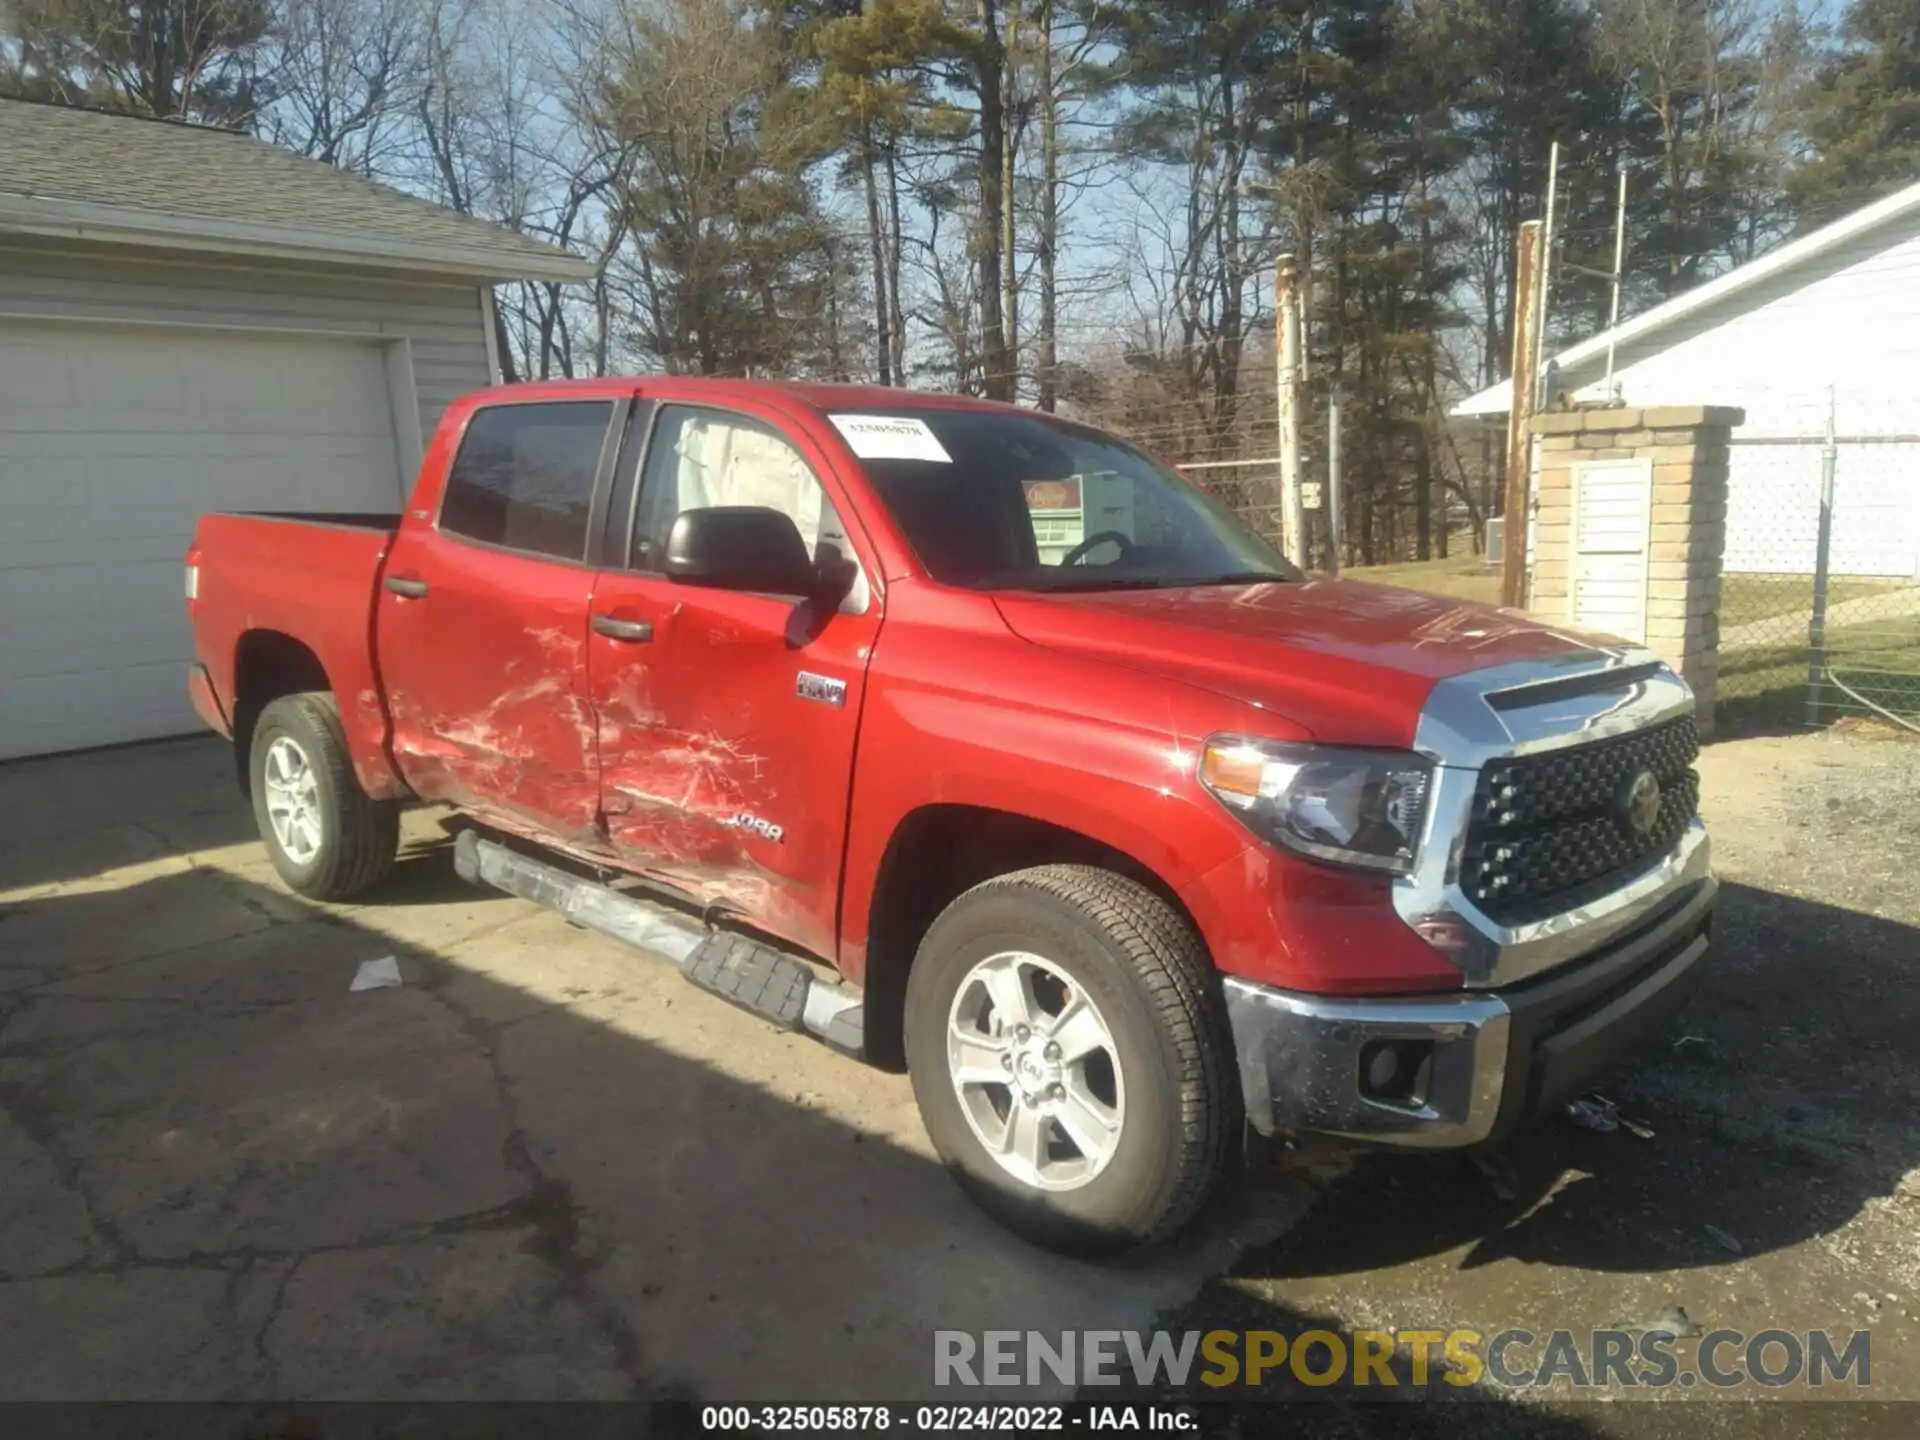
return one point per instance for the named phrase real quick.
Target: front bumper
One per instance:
(1487, 1060)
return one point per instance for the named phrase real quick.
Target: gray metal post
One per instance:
(1540, 398)
(1619, 275)
(1817, 623)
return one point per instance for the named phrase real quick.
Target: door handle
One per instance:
(407, 586)
(638, 632)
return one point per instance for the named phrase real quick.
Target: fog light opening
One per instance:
(1396, 1072)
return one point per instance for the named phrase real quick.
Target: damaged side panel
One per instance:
(717, 775)
(488, 684)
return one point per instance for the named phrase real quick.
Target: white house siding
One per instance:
(1773, 509)
(441, 322)
(1846, 324)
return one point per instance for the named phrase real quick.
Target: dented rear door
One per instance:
(482, 615)
(727, 721)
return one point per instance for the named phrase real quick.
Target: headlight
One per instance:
(1349, 807)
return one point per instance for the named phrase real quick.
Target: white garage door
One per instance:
(112, 443)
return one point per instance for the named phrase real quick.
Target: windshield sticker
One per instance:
(891, 437)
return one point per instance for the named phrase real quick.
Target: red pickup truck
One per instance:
(976, 741)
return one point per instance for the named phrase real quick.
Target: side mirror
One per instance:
(741, 547)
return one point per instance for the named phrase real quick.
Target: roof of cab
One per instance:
(817, 396)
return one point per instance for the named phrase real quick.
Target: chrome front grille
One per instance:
(1552, 831)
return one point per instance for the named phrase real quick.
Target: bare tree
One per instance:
(1067, 51)
(1690, 66)
(345, 79)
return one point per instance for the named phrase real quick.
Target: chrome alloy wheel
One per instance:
(293, 800)
(1037, 1071)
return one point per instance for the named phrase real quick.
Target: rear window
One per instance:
(524, 476)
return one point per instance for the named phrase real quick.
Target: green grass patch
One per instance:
(1763, 674)
(1746, 599)
(1465, 577)
(1765, 686)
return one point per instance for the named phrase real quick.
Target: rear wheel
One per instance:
(1071, 1059)
(326, 838)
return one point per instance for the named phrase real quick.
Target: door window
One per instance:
(525, 475)
(701, 458)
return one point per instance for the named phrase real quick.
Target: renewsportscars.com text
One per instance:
(1509, 1359)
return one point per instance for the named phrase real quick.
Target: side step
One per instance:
(735, 967)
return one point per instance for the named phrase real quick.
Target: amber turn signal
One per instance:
(1233, 772)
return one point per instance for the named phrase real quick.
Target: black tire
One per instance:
(1148, 974)
(359, 837)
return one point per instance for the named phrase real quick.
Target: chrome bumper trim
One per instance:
(1300, 1055)
(1524, 709)
(1496, 1058)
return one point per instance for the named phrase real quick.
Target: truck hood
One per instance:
(1341, 660)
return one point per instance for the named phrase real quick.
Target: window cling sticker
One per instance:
(891, 437)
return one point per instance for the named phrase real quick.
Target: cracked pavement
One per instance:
(544, 1167)
(547, 1168)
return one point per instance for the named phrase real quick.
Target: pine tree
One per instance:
(736, 271)
(1862, 114)
(171, 59)
(875, 89)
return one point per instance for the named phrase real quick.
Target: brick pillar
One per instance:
(1686, 446)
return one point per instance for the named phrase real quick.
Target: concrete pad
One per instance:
(94, 789)
(149, 911)
(44, 1221)
(157, 1334)
(772, 1219)
(69, 816)
(321, 1122)
(243, 975)
(546, 1167)
(30, 867)
(514, 970)
(459, 1317)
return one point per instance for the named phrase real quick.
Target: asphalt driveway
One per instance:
(542, 1167)
(545, 1167)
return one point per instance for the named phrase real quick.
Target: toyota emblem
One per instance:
(1640, 804)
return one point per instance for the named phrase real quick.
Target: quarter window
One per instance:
(525, 474)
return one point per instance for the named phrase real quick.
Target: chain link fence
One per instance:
(1820, 589)
(1820, 584)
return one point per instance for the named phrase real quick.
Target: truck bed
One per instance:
(302, 582)
(388, 520)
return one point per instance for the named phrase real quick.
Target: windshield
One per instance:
(993, 500)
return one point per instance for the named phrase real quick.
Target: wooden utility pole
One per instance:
(1049, 347)
(1286, 319)
(1009, 251)
(1526, 365)
(1335, 534)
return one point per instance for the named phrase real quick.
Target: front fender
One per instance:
(1109, 761)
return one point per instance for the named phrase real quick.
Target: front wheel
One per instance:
(326, 838)
(1071, 1058)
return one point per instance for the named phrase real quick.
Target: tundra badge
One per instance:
(765, 829)
(823, 688)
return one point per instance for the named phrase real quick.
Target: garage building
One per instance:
(193, 320)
